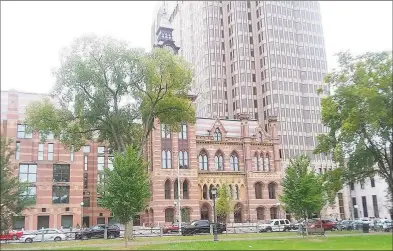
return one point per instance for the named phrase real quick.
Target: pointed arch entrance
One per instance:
(238, 213)
(205, 211)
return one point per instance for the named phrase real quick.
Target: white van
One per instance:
(276, 225)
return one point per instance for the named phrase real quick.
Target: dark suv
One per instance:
(202, 226)
(98, 231)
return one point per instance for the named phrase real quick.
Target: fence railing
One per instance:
(158, 231)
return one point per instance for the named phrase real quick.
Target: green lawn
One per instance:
(141, 241)
(367, 242)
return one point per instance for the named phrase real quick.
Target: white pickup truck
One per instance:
(276, 225)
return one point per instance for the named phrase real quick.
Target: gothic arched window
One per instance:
(272, 190)
(166, 159)
(219, 161)
(234, 162)
(258, 190)
(204, 192)
(236, 194)
(267, 162)
(185, 190)
(261, 163)
(167, 190)
(183, 159)
(217, 135)
(202, 159)
(256, 160)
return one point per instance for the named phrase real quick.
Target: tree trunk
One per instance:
(306, 225)
(130, 230)
(125, 234)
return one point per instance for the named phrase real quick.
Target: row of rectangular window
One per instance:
(21, 133)
(166, 133)
(372, 182)
(86, 149)
(61, 172)
(60, 194)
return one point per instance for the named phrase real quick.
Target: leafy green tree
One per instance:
(13, 191)
(359, 116)
(224, 203)
(303, 190)
(126, 189)
(108, 90)
(105, 88)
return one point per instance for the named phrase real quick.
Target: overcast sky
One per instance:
(32, 33)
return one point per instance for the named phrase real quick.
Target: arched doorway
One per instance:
(238, 213)
(205, 212)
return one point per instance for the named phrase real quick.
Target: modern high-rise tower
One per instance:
(260, 58)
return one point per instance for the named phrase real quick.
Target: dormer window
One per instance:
(217, 135)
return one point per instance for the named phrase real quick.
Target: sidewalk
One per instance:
(138, 244)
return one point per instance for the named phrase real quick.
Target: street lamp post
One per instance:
(82, 204)
(174, 217)
(279, 211)
(178, 198)
(214, 194)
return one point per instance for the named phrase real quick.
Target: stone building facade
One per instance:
(208, 154)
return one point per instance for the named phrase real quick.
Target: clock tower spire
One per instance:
(164, 34)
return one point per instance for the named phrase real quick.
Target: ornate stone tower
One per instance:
(164, 34)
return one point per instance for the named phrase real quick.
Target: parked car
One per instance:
(326, 224)
(357, 224)
(202, 226)
(98, 231)
(368, 221)
(172, 228)
(11, 235)
(275, 225)
(46, 234)
(345, 225)
(384, 225)
(295, 226)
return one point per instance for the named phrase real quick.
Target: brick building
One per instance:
(61, 179)
(209, 153)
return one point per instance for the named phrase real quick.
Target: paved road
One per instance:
(137, 244)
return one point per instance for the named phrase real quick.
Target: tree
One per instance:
(126, 188)
(106, 90)
(13, 191)
(303, 190)
(359, 116)
(224, 203)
